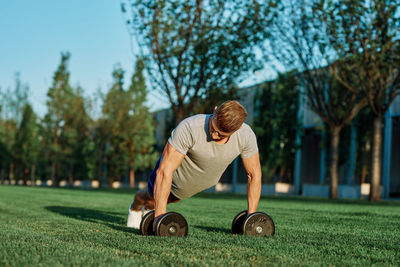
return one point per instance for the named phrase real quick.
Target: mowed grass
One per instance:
(47, 226)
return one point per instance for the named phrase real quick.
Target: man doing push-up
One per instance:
(199, 150)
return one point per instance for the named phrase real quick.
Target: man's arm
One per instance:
(171, 160)
(253, 170)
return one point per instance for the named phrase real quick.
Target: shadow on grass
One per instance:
(120, 191)
(213, 229)
(110, 219)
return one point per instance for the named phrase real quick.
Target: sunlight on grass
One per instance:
(47, 226)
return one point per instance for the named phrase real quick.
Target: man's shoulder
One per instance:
(245, 133)
(247, 141)
(187, 132)
(245, 129)
(195, 120)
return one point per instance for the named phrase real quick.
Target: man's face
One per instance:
(215, 133)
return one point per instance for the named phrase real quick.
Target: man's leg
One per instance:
(142, 199)
(142, 204)
(137, 209)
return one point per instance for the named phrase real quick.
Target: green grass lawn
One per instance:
(47, 226)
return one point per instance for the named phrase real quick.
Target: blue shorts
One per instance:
(152, 179)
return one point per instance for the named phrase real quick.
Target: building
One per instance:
(310, 170)
(311, 159)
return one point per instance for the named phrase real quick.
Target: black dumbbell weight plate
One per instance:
(237, 222)
(172, 224)
(258, 224)
(146, 225)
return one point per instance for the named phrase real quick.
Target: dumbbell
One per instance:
(169, 224)
(255, 224)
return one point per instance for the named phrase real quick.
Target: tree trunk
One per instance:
(131, 178)
(71, 177)
(11, 174)
(53, 170)
(33, 170)
(26, 175)
(53, 157)
(110, 182)
(111, 176)
(100, 169)
(70, 180)
(375, 192)
(333, 168)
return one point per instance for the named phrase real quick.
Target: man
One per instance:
(199, 150)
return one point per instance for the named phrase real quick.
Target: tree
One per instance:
(13, 101)
(26, 146)
(7, 139)
(139, 126)
(116, 108)
(192, 47)
(275, 125)
(129, 132)
(57, 104)
(297, 39)
(365, 35)
(100, 139)
(75, 140)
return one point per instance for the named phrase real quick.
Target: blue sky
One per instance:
(34, 33)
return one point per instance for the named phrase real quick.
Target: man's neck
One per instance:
(222, 141)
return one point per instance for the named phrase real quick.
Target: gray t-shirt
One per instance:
(205, 160)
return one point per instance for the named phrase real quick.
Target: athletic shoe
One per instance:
(135, 217)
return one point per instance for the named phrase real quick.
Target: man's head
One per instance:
(229, 116)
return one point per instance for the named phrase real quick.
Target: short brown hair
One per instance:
(230, 116)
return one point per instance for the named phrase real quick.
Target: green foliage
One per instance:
(364, 131)
(275, 126)
(194, 47)
(140, 124)
(59, 96)
(75, 138)
(115, 114)
(12, 102)
(214, 97)
(87, 228)
(127, 126)
(8, 129)
(297, 39)
(365, 36)
(27, 145)
(66, 143)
